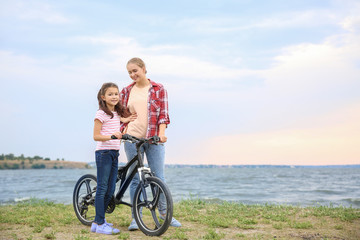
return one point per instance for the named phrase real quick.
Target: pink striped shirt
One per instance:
(109, 126)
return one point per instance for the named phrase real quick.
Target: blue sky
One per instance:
(249, 82)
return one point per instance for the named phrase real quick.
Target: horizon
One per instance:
(271, 82)
(37, 158)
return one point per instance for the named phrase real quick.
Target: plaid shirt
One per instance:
(157, 105)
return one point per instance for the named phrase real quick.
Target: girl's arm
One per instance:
(131, 118)
(97, 134)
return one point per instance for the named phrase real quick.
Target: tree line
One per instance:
(11, 156)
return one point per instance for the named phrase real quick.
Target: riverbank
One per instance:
(39, 219)
(41, 164)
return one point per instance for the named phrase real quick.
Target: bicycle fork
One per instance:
(142, 171)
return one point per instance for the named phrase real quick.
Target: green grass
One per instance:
(41, 219)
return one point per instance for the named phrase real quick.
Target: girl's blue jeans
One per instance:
(155, 155)
(107, 166)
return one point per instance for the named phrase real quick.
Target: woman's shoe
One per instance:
(174, 222)
(133, 226)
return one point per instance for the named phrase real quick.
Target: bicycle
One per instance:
(145, 205)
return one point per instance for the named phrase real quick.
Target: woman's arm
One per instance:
(163, 118)
(97, 134)
(164, 108)
(162, 136)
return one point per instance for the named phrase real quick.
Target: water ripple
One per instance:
(304, 187)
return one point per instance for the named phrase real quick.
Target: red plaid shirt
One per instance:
(158, 110)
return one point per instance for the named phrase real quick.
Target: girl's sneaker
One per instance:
(106, 229)
(94, 225)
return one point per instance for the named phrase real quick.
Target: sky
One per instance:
(249, 82)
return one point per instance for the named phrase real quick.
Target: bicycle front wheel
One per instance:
(153, 206)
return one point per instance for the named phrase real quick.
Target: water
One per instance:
(297, 186)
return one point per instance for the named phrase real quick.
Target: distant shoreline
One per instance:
(61, 164)
(40, 164)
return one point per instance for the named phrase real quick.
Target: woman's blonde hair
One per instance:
(137, 61)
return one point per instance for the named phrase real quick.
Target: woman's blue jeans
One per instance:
(155, 155)
(107, 166)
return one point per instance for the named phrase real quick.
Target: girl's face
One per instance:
(136, 73)
(111, 97)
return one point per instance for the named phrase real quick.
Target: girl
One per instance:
(107, 134)
(147, 100)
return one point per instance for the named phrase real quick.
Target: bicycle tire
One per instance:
(146, 214)
(84, 199)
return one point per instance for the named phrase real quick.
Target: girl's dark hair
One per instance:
(120, 109)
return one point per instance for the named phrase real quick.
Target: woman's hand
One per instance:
(131, 118)
(163, 138)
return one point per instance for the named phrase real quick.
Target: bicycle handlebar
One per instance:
(127, 137)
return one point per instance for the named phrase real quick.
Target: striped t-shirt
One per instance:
(109, 126)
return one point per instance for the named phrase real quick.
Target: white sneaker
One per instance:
(133, 226)
(173, 223)
(94, 226)
(106, 229)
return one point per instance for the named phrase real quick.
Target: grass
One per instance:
(41, 219)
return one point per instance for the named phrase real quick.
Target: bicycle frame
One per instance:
(125, 179)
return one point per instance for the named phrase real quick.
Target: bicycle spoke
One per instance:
(141, 204)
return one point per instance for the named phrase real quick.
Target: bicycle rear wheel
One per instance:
(84, 199)
(152, 215)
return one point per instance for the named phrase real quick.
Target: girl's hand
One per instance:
(131, 118)
(117, 134)
(163, 138)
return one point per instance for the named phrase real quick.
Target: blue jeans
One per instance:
(107, 166)
(155, 155)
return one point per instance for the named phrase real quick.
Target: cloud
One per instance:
(306, 111)
(336, 142)
(294, 19)
(326, 71)
(167, 60)
(33, 10)
(103, 40)
(351, 23)
(23, 68)
(316, 65)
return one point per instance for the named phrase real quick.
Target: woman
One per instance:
(147, 101)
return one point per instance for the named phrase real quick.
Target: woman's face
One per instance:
(136, 73)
